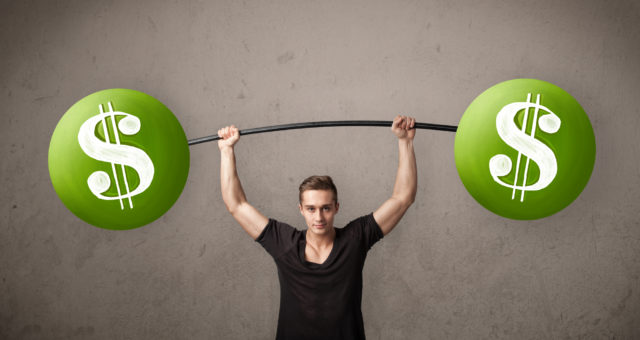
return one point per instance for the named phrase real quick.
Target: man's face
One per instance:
(318, 209)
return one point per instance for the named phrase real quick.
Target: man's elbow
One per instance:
(232, 207)
(406, 201)
(410, 200)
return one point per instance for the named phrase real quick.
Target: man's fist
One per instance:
(403, 127)
(230, 135)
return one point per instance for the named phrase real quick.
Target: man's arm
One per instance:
(404, 190)
(251, 220)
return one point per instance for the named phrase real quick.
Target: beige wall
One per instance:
(451, 269)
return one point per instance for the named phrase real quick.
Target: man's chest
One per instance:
(317, 255)
(343, 258)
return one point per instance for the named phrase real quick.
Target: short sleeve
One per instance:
(366, 229)
(277, 238)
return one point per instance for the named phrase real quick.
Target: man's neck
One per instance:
(321, 241)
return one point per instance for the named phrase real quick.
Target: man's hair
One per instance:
(318, 183)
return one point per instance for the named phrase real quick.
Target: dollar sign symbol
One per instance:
(115, 153)
(527, 144)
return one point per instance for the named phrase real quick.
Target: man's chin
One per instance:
(319, 229)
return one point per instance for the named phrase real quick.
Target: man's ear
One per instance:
(300, 207)
(337, 207)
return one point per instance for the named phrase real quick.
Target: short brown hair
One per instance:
(318, 183)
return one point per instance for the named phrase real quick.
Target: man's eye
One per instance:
(310, 209)
(327, 208)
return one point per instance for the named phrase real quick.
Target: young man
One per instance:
(320, 268)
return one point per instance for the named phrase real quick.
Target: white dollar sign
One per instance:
(527, 144)
(116, 153)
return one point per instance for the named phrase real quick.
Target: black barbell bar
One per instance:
(427, 126)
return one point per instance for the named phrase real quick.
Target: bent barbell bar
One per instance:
(427, 126)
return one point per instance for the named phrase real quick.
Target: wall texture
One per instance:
(450, 270)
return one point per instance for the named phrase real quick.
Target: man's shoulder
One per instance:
(278, 238)
(278, 234)
(364, 219)
(364, 229)
(356, 225)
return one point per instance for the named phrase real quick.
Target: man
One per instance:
(320, 268)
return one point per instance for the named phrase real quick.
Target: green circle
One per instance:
(562, 135)
(147, 142)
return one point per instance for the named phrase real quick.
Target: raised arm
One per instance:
(404, 190)
(251, 220)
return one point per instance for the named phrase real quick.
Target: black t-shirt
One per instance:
(320, 301)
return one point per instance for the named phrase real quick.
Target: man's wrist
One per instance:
(406, 141)
(227, 150)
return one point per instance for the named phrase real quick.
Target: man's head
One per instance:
(318, 183)
(318, 203)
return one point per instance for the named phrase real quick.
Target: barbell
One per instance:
(119, 158)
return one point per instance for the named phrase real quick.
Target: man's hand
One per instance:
(403, 127)
(230, 136)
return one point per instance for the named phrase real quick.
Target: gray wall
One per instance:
(450, 270)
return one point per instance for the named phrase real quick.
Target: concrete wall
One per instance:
(450, 270)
